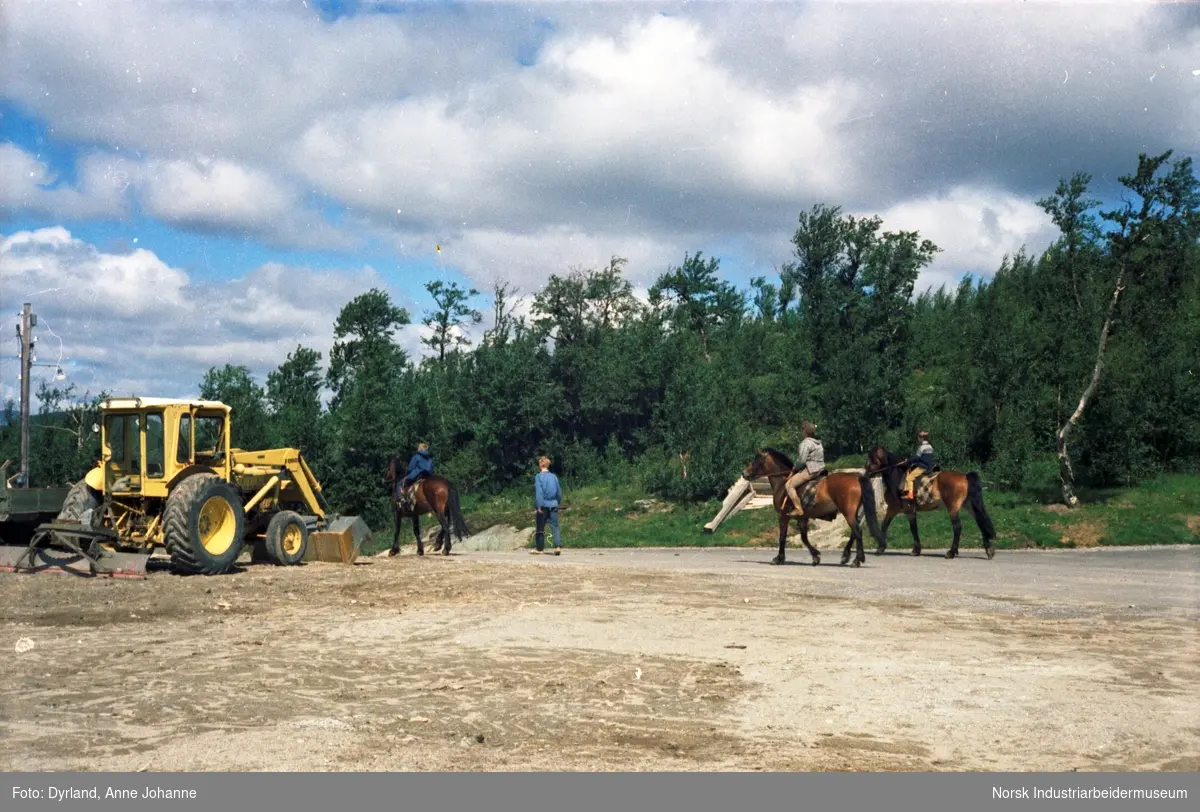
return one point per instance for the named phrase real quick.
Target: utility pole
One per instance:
(25, 334)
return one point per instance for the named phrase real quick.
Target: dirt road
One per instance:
(613, 660)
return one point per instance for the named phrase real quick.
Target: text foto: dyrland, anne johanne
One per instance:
(94, 793)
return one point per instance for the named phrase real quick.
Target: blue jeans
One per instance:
(549, 515)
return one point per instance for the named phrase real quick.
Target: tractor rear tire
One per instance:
(204, 525)
(287, 539)
(80, 499)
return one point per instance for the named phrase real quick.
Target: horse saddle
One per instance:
(922, 486)
(408, 496)
(808, 491)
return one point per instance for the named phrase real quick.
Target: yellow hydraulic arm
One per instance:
(287, 469)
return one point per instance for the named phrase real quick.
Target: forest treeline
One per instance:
(677, 392)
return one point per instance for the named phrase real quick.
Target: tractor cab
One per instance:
(148, 443)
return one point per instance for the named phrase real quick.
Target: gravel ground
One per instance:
(613, 660)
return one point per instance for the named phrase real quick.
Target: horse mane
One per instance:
(783, 458)
(891, 477)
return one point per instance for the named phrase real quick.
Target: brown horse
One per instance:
(835, 493)
(431, 494)
(952, 490)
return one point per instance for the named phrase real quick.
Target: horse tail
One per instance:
(456, 517)
(975, 496)
(870, 508)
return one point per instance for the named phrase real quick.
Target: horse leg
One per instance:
(850, 541)
(855, 540)
(444, 533)
(956, 523)
(396, 533)
(912, 525)
(813, 551)
(439, 541)
(417, 533)
(857, 535)
(783, 528)
(887, 522)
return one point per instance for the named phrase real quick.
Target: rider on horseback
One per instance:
(919, 463)
(810, 461)
(420, 465)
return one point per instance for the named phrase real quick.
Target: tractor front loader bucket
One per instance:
(339, 542)
(67, 548)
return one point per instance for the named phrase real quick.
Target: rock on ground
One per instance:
(494, 539)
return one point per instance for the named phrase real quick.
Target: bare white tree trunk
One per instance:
(1066, 473)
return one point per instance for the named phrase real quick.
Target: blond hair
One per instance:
(544, 462)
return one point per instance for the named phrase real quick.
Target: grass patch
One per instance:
(1164, 511)
(610, 516)
(1154, 513)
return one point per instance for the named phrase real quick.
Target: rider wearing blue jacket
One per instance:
(420, 465)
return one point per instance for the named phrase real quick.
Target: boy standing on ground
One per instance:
(547, 494)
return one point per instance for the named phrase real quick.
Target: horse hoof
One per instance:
(991, 552)
(420, 551)
(951, 554)
(857, 563)
(777, 560)
(816, 560)
(879, 550)
(916, 551)
(393, 552)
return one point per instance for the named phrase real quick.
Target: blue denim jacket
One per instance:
(422, 461)
(546, 491)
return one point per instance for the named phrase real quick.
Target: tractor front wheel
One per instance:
(287, 538)
(204, 525)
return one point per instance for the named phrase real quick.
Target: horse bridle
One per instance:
(873, 472)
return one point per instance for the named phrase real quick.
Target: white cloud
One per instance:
(52, 263)
(28, 185)
(130, 323)
(608, 131)
(634, 133)
(217, 192)
(225, 196)
(975, 230)
(526, 260)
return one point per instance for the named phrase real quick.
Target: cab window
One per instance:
(123, 433)
(156, 449)
(114, 433)
(210, 439)
(183, 447)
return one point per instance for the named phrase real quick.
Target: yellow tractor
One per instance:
(169, 478)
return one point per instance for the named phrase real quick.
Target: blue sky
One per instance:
(210, 176)
(208, 256)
